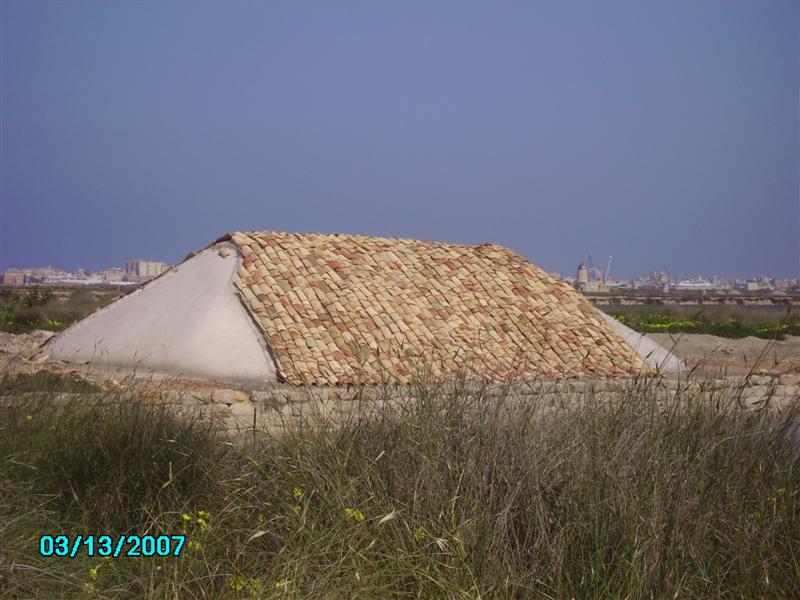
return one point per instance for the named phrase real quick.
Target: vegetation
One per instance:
(451, 496)
(730, 322)
(24, 310)
(45, 381)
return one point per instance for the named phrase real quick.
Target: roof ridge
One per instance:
(308, 234)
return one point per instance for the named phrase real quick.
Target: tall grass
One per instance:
(453, 495)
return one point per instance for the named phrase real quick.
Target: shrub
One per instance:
(44, 308)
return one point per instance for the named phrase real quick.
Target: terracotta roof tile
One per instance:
(345, 309)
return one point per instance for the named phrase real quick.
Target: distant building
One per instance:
(71, 279)
(694, 284)
(13, 277)
(752, 286)
(583, 276)
(756, 284)
(584, 284)
(144, 269)
(42, 272)
(113, 275)
(660, 279)
(618, 284)
(783, 284)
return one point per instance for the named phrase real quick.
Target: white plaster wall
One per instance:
(653, 353)
(189, 321)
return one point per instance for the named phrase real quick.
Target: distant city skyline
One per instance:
(665, 134)
(92, 265)
(125, 266)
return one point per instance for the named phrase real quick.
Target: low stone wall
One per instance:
(275, 409)
(280, 407)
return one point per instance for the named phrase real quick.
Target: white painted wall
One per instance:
(189, 321)
(653, 353)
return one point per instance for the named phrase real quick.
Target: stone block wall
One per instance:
(275, 409)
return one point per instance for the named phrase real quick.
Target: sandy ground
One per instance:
(714, 355)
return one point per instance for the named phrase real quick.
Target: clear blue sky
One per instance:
(665, 134)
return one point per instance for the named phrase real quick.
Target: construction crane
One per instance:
(608, 270)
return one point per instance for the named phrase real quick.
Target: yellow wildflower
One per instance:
(253, 586)
(298, 492)
(93, 573)
(420, 534)
(186, 518)
(279, 585)
(29, 418)
(297, 508)
(204, 525)
(89, 587)
(204, 515)
(236, 582)
(193, 545)
(355, 514)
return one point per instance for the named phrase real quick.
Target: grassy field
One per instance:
(24, 309)
(450, 497)
(724, 321)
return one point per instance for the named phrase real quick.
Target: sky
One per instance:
(664, 134)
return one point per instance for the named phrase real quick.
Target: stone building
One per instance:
(138, 269)
(322, 310)
(13, 277)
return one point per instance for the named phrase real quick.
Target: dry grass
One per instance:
(451, 496)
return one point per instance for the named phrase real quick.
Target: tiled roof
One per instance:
(346, 309)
